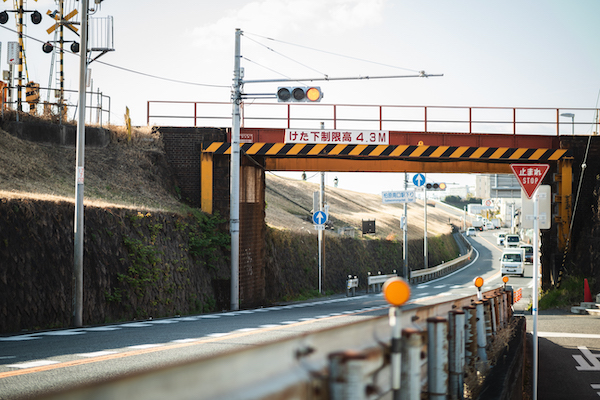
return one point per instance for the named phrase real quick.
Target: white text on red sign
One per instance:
(336, 137)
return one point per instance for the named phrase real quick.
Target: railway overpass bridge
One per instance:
(349, 138)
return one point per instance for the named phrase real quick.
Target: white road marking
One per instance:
(136, 325)
(19, 338)
(569, 335)
(32, 364)
(97, 354)
(164, 321)
(145, 346)
(102, 329)
(61, 333)
(184, 340)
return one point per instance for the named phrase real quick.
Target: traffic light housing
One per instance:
(311, 94)
(36, 17)
(435, 186)
(47, 47)
(3, 17)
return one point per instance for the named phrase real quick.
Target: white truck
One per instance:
(478, 225)
(513, 261)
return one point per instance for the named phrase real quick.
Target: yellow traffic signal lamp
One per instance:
(435, 186)
(299, 94)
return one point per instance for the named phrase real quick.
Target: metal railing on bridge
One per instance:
(454, 119)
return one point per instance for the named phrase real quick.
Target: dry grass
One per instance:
(130, 172)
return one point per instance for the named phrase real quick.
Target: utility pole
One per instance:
(234, 205)
(79, 174)
(426, 262)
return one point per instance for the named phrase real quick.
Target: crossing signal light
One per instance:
(310, 94)
(3, 17)
(435, 186)
(47, 47)
(36, 17)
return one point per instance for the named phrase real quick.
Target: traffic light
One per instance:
(3, 17)
(299, 94)
(435, 186)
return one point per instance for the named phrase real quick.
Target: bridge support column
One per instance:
(206, 182)
(564, 179)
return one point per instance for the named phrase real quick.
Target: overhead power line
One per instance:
(129, 69)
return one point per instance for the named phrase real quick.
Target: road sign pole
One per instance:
(405, 235)
(426, 262)
(535, 294)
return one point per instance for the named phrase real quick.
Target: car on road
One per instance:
(512, 241)
(471, 232)
(513, 262)
(528, 253)
(500, 238)
(488, 226)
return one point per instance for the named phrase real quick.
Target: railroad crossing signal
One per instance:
(299, 94)
(65, 19)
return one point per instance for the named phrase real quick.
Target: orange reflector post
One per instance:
(396, 291)
(505, 279)
(478, 282)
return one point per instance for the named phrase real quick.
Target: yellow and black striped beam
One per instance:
(399, 152)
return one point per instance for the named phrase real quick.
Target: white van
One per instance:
(513, 261)
(511, 241)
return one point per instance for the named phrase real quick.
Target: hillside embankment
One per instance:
(147, 254)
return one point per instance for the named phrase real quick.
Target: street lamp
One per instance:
(572, 116)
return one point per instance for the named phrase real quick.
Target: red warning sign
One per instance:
(530, 176)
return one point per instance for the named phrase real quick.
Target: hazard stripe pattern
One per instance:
(453, 153)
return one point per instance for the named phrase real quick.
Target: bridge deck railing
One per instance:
(456, 119)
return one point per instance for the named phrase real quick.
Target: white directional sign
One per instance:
(544, 209)
(402, 196)
(419, 179)
(319, 217)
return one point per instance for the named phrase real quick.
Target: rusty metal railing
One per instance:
(347, 361)
(454, 119)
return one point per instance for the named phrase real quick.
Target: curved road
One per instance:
(35, 363)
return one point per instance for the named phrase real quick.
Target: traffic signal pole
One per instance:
(79, 174)
(234, 205)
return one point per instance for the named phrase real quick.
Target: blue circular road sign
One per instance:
(419, 179)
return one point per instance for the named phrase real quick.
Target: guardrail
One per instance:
(424, 275)
(375, 281)
(458, 119)
(349, 361)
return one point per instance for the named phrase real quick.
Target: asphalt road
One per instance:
(35, 363)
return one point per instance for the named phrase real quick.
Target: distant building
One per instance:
(502, 191)
(497, 186)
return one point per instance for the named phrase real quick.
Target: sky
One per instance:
(537, 53)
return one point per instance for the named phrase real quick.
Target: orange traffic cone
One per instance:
(587, 295)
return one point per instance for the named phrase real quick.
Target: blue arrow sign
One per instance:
(419, 179)
(319, 217)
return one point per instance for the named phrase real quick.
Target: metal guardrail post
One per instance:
(437, 358)
(494, 314)
(456, 353)
(410, 387)
(350, 371)
(487, 314)
(481, 339)
(470, 334)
